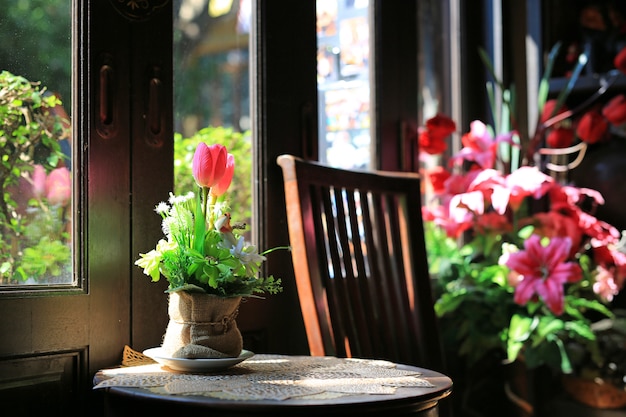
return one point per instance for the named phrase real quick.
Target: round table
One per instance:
(276, 385)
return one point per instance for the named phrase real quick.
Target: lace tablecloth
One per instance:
(272, 377)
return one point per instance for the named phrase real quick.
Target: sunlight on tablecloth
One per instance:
(273, 377)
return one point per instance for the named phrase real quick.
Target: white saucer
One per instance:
(196, 365)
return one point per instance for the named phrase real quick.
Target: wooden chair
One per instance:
(360, 263)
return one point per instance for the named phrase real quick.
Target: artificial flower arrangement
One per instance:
(524, 268)
(207, 262)
(203, 250)
(564, 132)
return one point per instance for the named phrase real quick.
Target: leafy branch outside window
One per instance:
(35, 183)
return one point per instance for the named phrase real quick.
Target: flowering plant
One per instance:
(536, 268)
(524, 267)
(203, 251)
(35, 184)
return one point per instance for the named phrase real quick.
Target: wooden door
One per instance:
(53, 339)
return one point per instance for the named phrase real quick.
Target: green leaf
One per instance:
(521, 326)
(186, 287)
(544, 85)
(581, 329)
(563, 94)
(566, 366)
(549, 325)
(520, 329)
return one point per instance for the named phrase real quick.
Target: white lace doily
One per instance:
(272, 377)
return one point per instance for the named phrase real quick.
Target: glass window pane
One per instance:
(343, 80)
(35, 134)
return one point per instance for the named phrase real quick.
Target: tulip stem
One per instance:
(205, 197)
(208, 206)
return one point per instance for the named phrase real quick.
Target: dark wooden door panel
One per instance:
(45, 384)
(51, 344)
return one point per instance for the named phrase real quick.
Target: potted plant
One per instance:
(599, 376)
(207, 262)
(524, 270)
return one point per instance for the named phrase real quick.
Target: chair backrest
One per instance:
(360, 263)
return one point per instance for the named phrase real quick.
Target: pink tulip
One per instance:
(223, 184)
(39, 181)
(59, 187)
(209, 164)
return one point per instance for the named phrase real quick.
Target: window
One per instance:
(211, 92)
(343, 77)
(35, 144)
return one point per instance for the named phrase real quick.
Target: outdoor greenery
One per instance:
(37, 43)
(34, 183)
(40, 51)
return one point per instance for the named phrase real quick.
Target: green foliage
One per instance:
(223, 263)
(47, 257)
(195, 257)
(38, 46)
(30, 229)
(475, 304)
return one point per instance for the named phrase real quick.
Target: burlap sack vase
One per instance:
(202, 326)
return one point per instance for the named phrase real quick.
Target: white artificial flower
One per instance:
(162, 208)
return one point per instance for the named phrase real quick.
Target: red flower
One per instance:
(549, 110)
(601, 232)
(544, 271)
(560, 137)
(555, 224)
(437, 177)
(458, 183)
(432, 138)
(441, 125)
(209, 164)
(431, 143)
(620, 60)
(592, 127)
(615, 110)
(494, 223)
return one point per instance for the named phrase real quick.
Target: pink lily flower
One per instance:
(544, 271)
